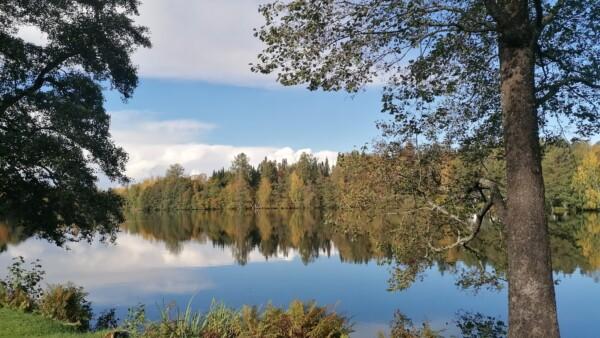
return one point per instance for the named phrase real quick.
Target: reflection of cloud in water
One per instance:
(140, 285)
(132, 268)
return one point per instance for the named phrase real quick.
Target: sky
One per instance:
(198, 103)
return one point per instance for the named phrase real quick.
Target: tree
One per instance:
(263, 194)
(478, 74)
(268, 169)
(54, 131)
(240, 166)
(175, 171)
(307, 167)
(558, 165)
(296, 191)
(239, 192)
(586, 181)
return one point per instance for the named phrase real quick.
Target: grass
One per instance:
(299, 320)
(18, 324)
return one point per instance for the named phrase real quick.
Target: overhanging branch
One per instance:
(38, 83)
(494, 199)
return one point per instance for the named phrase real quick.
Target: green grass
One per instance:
(17, 324)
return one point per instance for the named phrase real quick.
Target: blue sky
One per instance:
(198, 103)
(246, 116)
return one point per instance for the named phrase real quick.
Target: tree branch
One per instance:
(475, 226)
(39, 81)
(539, 15)
(495, 11)
(495, 196)
(554, 88)
(546, 20)
(495, 199)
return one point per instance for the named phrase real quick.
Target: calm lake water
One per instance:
(281, 256)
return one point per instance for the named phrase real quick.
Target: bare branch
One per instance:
(442, 210)
(475, 226)
(495, 196)
(495, 199)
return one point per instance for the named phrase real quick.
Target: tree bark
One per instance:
(532, 304)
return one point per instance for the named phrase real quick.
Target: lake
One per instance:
(279, 256)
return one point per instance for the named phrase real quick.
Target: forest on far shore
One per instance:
(359, 180)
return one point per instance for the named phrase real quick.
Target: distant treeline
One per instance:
(358, 180)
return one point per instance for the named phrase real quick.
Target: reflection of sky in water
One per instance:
(137, 270)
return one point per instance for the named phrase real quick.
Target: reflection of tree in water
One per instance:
(470, 325)
(272, 233)
(588, 238)
(359, 237)
(10, 235)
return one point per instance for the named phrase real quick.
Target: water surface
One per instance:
(257, 258)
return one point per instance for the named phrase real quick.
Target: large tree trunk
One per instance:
(532, 305)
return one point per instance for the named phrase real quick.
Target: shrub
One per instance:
(20, 300)
(135, 321)
(66, 303)
(299, 320)
(107, 320)
(21, 289)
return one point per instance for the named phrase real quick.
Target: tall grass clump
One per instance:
(67, 303)
(175, 323)
(221, 321)
(299, 320)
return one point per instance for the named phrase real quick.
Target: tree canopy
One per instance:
(477, 74)
(438, 60)
(371, 182)
(54, 130)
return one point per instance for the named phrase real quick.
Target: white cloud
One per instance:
(209, 40)
(32, 34)
(146, 128)
(152, 160)
(206, 40)
(154, 144)
(177, 126)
